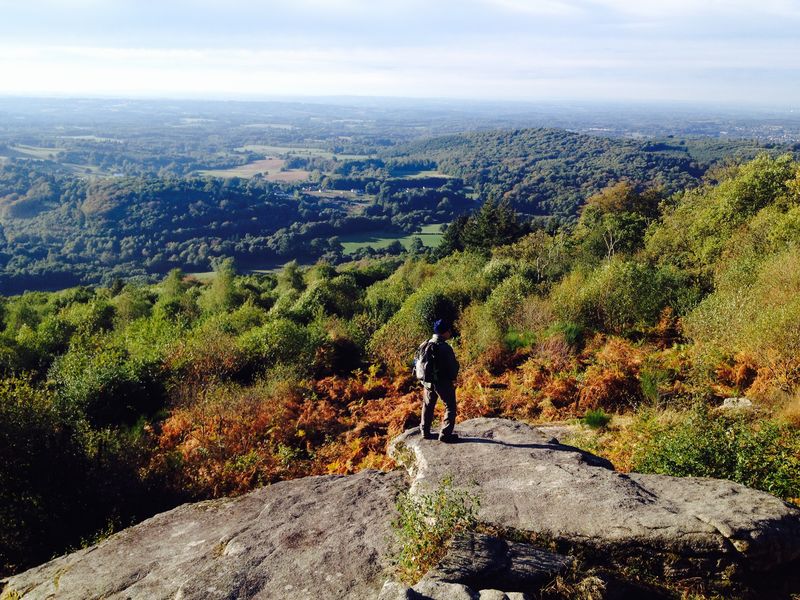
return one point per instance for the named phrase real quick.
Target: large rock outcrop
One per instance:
(331, 537)
(317, 537)
(527, 481)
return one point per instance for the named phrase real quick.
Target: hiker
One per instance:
(437, 368)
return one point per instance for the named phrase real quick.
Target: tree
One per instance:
(222, 295)
(495, 224)
(453, 238)
(417, 247)
(615, 221)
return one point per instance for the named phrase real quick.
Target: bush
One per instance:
(596, 419)
(334, 296)
(62, 481)
(426, 523)
(242, 319)
(280, 342)
(93, 317)
(478, 331)
(573, 333)
(760, 454)
(760, 320)
(456, 282)
(133, 303)
(506, 301)
(222, 294)
(97, 379)
(623, 296)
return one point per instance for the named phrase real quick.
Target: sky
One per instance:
(696, 51)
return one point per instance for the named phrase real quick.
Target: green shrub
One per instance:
(222, 294)
(242, 319)
(133, 303)
(457, 281)
(93, 317)
(282, 308)
(760, 320)
(651, 379)
(621, 296)
(515, 340)
(499, 269)
(384, 298)
(281, 342)
(337, 295)
(426, 523)
(478, 332)
(596, 419)
(573, 333)
(23, 310)
(99, 380)
(760, 454)
(695, 231)
(507, 299)
(396, 341)
(61, 480)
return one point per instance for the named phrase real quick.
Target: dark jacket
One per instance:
(445, 359)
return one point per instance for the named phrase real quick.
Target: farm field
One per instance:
(353, 202)
(270, 167)
(49, 154)
(293, 151)
(428, 173)
(431, 236)
(37, 151)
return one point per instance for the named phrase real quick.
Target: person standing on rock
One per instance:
(435, 365)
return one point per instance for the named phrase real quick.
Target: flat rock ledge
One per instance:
(528, 482)
(310, 538)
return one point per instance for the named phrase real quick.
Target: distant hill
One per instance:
(63, 229)
(552, 171)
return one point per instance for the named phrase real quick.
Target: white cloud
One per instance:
(538, 7)
(514, 68)
(696, 49)
(680, 9)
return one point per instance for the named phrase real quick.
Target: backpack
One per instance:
(425, 368)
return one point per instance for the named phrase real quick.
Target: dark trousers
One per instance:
(447, 392)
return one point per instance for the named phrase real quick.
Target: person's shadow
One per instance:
(554, 444)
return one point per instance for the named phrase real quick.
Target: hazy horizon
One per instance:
(700, 105)
(673, 51)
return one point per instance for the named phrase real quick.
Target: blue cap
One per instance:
(440, 326)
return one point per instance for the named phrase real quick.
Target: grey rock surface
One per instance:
(441, 590)
(736, 404)
(492, 595)
(317, 537)
(500, 595)
(394, 590)
(527, 482)
(482, 561)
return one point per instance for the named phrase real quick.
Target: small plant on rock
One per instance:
(426, 523)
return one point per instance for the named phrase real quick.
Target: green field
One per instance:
(290, 151)
(424, 174)
(270, 167)
(430, 235)
(37, 151)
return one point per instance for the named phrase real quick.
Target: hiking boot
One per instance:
(449, 439)
(428, 435)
